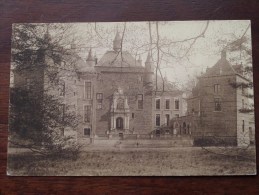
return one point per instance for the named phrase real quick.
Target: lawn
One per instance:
(137, 162)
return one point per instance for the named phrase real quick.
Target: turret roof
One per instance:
(90, 56)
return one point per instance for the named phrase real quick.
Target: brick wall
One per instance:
(132, 85)
(215, 122)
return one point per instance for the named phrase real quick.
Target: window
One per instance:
(28, 83)
(88, 90)
(99, 98)
(120, 103)
(99, 106)
(243, 126)
(216, 88)
(140, 78)
(176, 104)
(158, 120)
(87, 113)
(140, 101)
(87, 131)
(158, 104)
(167, 119)
(177, 115)
(133, 115)
(167, 104)
(62, 88)
(217, 104)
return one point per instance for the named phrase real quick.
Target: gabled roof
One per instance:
(222, 67)
(118, 59)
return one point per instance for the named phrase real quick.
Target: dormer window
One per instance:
(220, 70)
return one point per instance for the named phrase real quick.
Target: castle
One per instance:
(120, 97)
(117, 98)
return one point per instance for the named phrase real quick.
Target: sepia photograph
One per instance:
(151, 98)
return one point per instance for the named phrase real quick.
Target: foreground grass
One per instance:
(173, 161)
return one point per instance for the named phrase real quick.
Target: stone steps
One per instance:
(145, 143)
(156, 143)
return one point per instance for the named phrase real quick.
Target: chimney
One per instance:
(223, 54)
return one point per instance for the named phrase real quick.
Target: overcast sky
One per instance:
(204, 53)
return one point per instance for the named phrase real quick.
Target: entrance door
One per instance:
(119, 123)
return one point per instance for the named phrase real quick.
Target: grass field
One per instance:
(137, 162)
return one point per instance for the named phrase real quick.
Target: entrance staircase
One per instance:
(158, 143)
